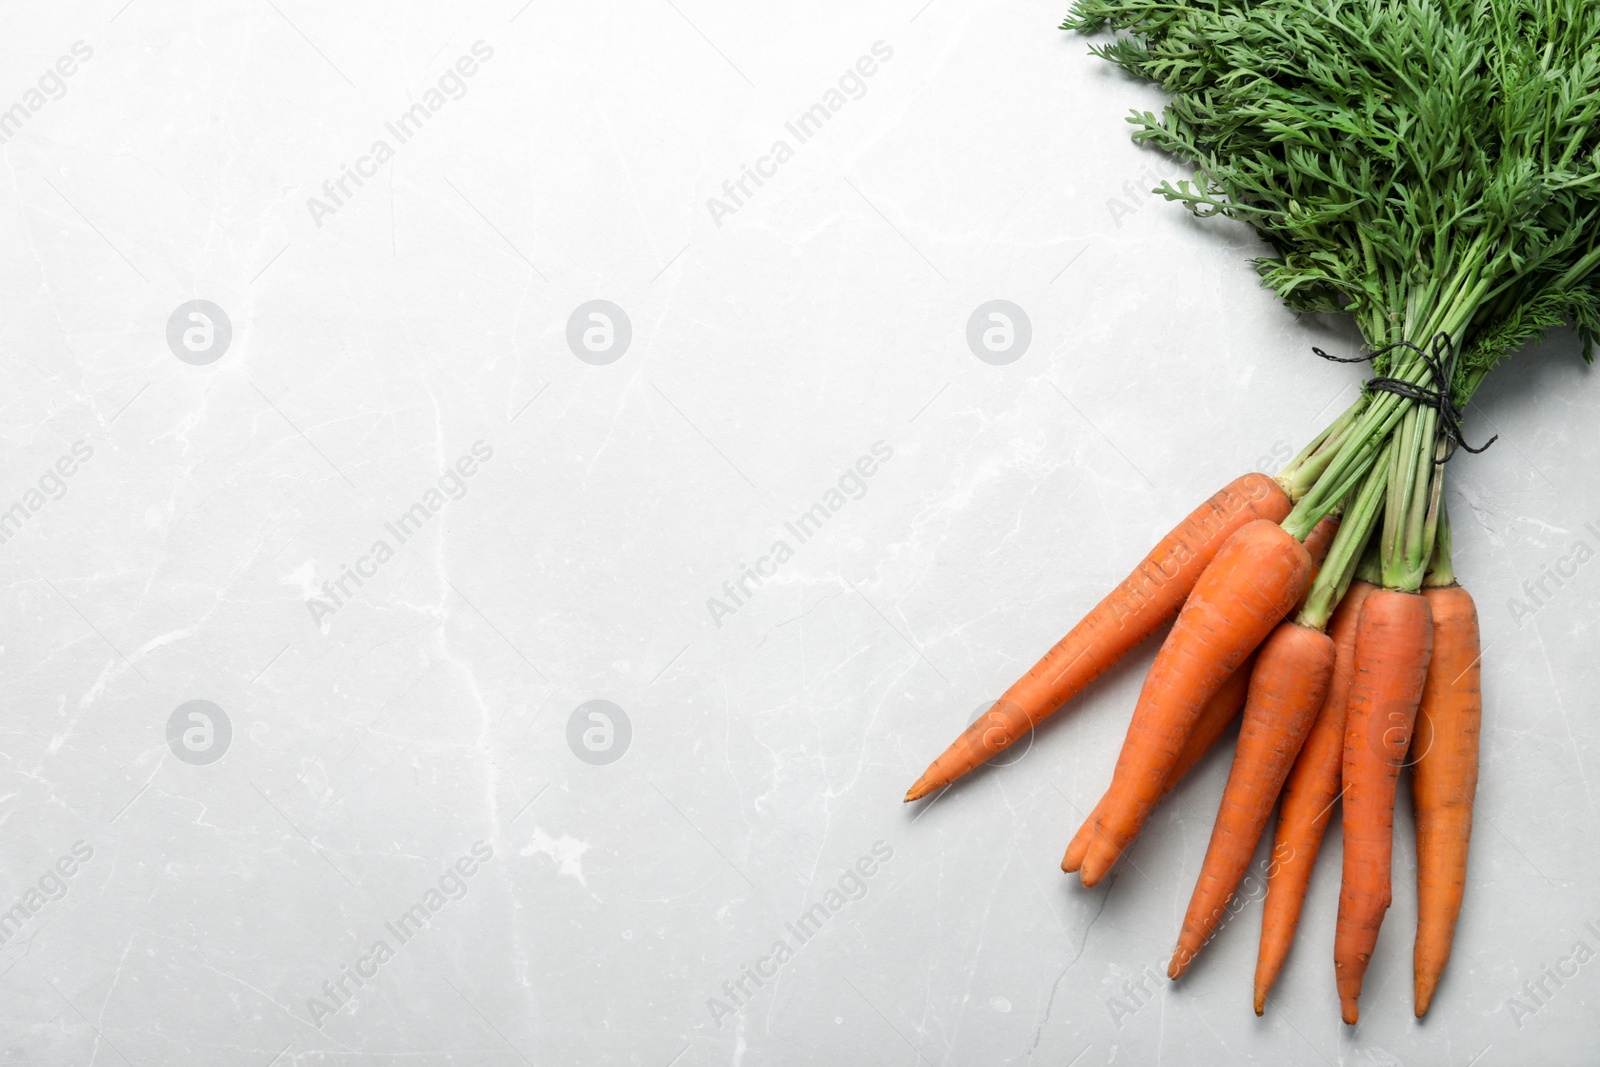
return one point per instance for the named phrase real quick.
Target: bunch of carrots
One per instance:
(1329, 698)
(1430, 168)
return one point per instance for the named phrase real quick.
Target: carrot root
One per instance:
(1309, 795)
(1254, 581)
(1287, 691)
(1141, 604)
(1219, 711)
(1394, 643)
(1444, 779)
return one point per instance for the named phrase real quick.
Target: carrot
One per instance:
(1214, 719)
(1444, 778)
(1308, 799)
(1287, 691)
(1254, 581)
(1394, 642)
(1143, 602)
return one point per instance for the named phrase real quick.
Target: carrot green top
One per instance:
(1428, 166)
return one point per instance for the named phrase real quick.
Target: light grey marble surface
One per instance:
(229, 882)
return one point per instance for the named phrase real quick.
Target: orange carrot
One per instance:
(1394, 643)
(1143, 602)
(1308, 799)
(1287, 691)
(1213, 722)
(1254, 581)
(1218, 713)
(1444, 777)
(1214, 719)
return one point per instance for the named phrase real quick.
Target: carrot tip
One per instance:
(919, 789)
(1424, 998)
(1175, 968)
(1348, 1011)
(1261, 1007)
(1094, 868)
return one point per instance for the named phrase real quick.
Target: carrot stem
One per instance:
(1370, 569)
(1303, 471)
(1452, 305)
(1355, 530)
(1441, 572)
(1410, 517)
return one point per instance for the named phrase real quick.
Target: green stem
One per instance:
(1355, 529)
(1356, 454)
(1412, 510)
(1361, 441)
(1401, 464)
(1441, 572)
(1370, 569)
(1303, 471)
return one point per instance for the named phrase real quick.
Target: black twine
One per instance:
(1442, 365)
